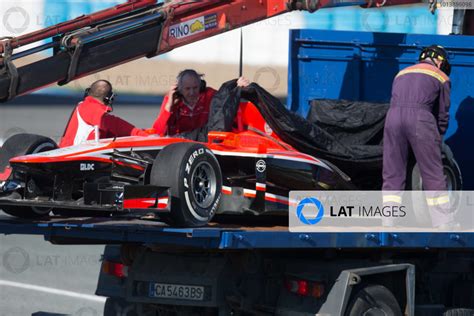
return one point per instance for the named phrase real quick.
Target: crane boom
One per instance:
(135, 29)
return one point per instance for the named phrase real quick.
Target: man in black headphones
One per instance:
(187, 105)
(93, 114)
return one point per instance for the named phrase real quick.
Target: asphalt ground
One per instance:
(36, 276)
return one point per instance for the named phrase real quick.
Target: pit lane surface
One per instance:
(38, 276)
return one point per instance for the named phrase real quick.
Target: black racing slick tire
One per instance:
(19, 145)
(192, 173)
(372, 300)
(415, 183)
(23, 144)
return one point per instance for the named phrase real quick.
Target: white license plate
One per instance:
(184, 292)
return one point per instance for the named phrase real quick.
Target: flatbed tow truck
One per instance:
(266, 270)
(239, 265)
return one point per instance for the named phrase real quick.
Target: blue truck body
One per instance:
(109, 231)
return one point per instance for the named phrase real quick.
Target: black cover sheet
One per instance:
(345, 133)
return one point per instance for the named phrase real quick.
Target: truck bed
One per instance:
(219, 235)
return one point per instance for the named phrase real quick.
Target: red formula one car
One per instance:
(244, 165)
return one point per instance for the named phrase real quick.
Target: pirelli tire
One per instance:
(19, 145)
(192, 173)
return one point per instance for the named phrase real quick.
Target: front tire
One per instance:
(192, 173)
(20, 145)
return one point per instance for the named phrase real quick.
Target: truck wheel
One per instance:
(459, 312)
(19, 145)
(415, 183)
(372, 300)
(116, 306)
(192, 173)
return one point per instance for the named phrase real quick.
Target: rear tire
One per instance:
(415, 183)
(19, 145)
(373, 300)
(192, 173)
(459, 312)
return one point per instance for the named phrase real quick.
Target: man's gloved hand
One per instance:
(243, 82)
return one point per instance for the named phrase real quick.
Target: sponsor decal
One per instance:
(250, 193)
(193, 26)
(191, 159)
(260, 186)
(87, 167)
(226, 189)
(261, 165)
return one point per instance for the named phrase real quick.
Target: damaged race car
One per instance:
(245, 160)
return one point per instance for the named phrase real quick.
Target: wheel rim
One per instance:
(375, 311)
(203, 182)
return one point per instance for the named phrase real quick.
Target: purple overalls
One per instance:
(417, 119)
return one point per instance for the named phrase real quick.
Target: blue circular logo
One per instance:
(312, 201)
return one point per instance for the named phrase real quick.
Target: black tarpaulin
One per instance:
(343, 129)
(348, 134)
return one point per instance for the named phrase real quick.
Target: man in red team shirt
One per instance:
(186, 107)
(94, 111)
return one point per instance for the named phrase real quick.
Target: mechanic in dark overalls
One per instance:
(417, 119)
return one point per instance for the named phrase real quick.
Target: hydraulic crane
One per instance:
(135, 29)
